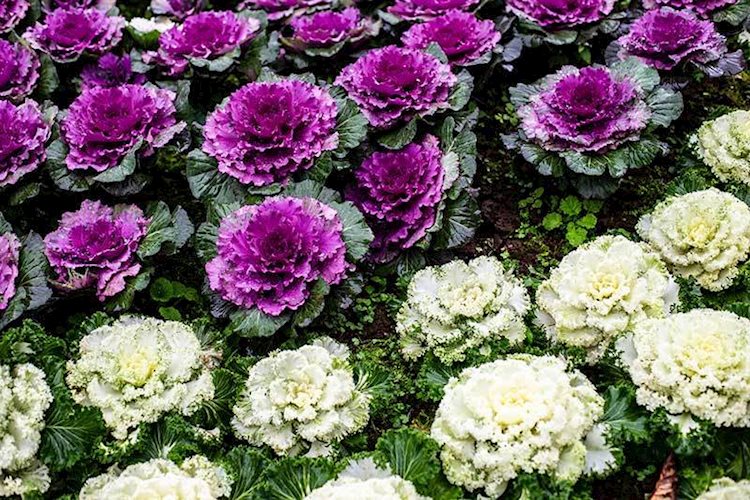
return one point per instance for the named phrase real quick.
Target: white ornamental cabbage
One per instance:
(457, 306)
(159, 479)
(138, 369)
(24, 398)
(702, 235)
(696, 362)
(522, 414)
(724, 145)
(602, 290)
(363, 480)
(727, 489)
(302, 397)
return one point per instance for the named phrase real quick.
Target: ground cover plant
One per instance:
(411, 249)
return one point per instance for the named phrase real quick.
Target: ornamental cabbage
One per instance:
(203, 39)
(104, 125)
(110, 71)
(96, 246)
(11, 13)
(463, 38)
(265, 132)
(301, 399)
(703, 8)
(458, 306)
(66, 34)
(703, 235)
(159, 478)
(24, 398)
(400, 193)
(10, 247)
(516, 415)
(726, 489)
(392, 85)
(413, 10)
(595, 121)
(695, 363)
(179, 9)
(602, 290)
(279, 9)
(138, 369)
(556, 15)
(271, 256)
(103, 5)
(364, 480)
(19, 70)
(328, 29)
(666, 38)
(724, 145)
(23, 135)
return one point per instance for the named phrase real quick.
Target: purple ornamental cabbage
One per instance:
(462, 36)
(328, 28)
(268, 131)
(587, 110)
(208, 35)
(393, 85)
(279, 9)
(66, 34)
(103, 5)
(110, 71)
(9, 252)
(703, 8)
(19, 70)
(103, 125)
(96, 246)
(413, 10)
(23, 135)
(270, 256)
(179, 9)
(561, 14)
(11, 13)
(399, 192)
(666, 38)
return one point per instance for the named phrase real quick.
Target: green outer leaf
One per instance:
(256, 323)
(31, 285)
(461, 217)
(205, 241)
(246, 466)
(734, 14)
(357, 234)
(217, 412)
(124, 299)
(121, 171)
(65, 179)
(461, 93)
(351, 125)
(48, 79)
(645, 76)
(168, 231)
(547, 163)
(314, 304)
(585, 164)
(312, 189)
(295, 478)
(624, 418)
(436, 51)
(5, 226)
(400, 137)
(206, 182)
(70, 433)
(666, 106)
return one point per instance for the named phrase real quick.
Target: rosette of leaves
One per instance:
(70, 433)
(247, 174)
(255, 322)
(592, 125)
(23, 273)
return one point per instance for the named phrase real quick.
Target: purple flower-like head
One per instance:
(328, 28)
(427, 9)
(703, 8)
(9, 252)
(95, 246)
(19, 70)
(104, 124)
(665, 38)
(11, 13)
(103, 5)
(392, 84)
(399, 192)
(462, 36)
(110, 71)
(269, 256)
(208, 35)
(279, 9)
(65, 34)
(561, 14)
(588, 110)
(267, 131)
(179, 9)
(23, 134)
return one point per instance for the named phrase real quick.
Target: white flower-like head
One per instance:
(159, 479)
(363, 480)
(602, 290)
(727, 489)
(457, 306)
(703, 235)
(303, 395)
(696, 362)
(24, 398)
(138, 369)
(724, 145)
(523, 414)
